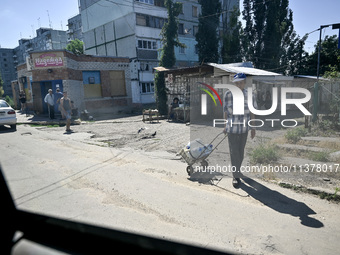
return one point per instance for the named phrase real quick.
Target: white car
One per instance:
(7, 115)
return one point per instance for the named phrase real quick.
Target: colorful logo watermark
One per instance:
(204, 97)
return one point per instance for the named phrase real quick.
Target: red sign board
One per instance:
(48, 60)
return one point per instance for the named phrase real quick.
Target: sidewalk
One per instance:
(41, 119)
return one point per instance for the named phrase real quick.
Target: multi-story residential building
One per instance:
(74, 28)
(7, 69)
(46, 39)
(132, 29)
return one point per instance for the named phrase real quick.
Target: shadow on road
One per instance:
(5, 129)
(280, 203)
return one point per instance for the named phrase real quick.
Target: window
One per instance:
(140, 19)
(149, 21)
(159, 3)
(194, 11)
(146, 1)
(140, 44)
(181, 50)
(195, 30)
(117, 83)
(147, 44)
(147, 87)
(92, 84)
(196, 49)
(181, 29)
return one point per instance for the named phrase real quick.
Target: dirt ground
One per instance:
(131, 132)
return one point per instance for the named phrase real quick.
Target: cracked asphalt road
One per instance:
(141, 186)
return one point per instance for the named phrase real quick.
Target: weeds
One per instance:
(294, 135)
(264, 154)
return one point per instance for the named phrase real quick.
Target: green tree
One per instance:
(269, 39)
(2, 92)
(169, 39)
(76, 46)
(231, 50)
(207, 36)
(329, 58)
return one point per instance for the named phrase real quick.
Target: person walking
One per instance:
(66, 107)
(49, 100)
(22, 98)
(237, 127)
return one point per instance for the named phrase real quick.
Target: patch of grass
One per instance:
(39, 125)
(322, 156)
(264, 154)
(294, 135)
(321, 194)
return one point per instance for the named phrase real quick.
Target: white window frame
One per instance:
(149, 87)
(147, 44)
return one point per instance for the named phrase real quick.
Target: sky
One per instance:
(20, 18)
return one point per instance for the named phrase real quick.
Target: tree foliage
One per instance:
(76, 46)
(169, 39)
(2, 92)
(329, 58)
(207, 36)
(231, 49)
(169, 34)
(269, 39)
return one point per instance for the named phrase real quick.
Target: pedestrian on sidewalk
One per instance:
(66, 107)
(22, 99)
(58, 97)
(49, 100)
(237, 127)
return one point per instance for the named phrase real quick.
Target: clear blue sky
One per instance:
(17, 17)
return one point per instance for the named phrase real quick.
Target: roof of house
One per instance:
(221, 69)
(310, 77)
(245, 68)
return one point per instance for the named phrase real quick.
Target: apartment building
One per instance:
(74, 28)
(46, 39)
(7, 69)
(132, 29)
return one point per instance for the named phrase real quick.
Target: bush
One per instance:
(265, 154)
(325, 125)
(10, 101)
(294, 135)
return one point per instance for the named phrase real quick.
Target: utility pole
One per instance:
(316, 85)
